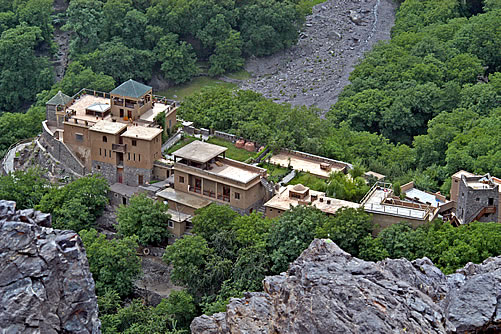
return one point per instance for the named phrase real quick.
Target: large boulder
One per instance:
(45, 282)
(326, 290)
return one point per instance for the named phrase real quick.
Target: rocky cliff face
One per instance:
(326, 290)
(45, 282)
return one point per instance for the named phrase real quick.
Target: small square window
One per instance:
(78, 137)
(491, 201)
(181, 179)
(134, 142)
(105, 139)
(98, 167)
(237, 195)
(171, 224)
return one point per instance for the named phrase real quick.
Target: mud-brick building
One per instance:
(116, 134)
(202, 175)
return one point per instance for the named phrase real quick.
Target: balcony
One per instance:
(120, 148)
(223, 198)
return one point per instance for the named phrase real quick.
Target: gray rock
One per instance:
(45, 282)
(326, 290)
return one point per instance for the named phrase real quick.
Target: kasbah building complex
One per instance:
(118, 135)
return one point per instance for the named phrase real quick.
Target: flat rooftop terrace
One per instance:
(85, 101)
(423, 197)
(192, 201)
(375, 203)
(199, 151)
(302, 164)
(233, 172)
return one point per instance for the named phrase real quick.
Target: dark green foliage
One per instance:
(113, 263)
(291, 233)
(346, 187)
(448, 247)
(347, 229)
(26, 188)
(104, 60)
(145, 218)
(18, 126)
(77, 205)
(22, 72)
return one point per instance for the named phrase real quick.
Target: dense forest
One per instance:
(420, 107)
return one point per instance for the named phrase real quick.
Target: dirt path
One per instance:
(334, 38)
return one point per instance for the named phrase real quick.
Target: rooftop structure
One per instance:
(415, 195)
(59, 99)
(108, 127)
(131, 88)
(477, 198)
(387, 209)
(199, 151)
(294, 195)
(141, 132)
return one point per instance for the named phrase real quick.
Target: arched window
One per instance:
(105, 139)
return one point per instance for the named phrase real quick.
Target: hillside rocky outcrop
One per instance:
(326, 290)
(45, 283)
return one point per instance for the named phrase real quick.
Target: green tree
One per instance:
(86, 20)
(104, 60)
(227, 56)
(26, 188)
(291, 234)
(213, 219)
(346, 188)
(347, 229)
(196, 266)
(177, 59)
(113, 263)
(179, 306)
(77, 205)
(145, 218)
(37, 13)
(22, 73)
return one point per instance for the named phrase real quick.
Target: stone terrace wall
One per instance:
(318, 158)
(61, 152)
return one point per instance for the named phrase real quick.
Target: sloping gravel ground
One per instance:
(334, 38)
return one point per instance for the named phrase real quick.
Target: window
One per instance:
(134, 142)
(121, 113)
(237, 195)
(124, 200)
(105, 139)
(128, 158)
(78, 137)
(98, 167)
(171, 224)
(134, 156)
(181, 179)
(140, 179)
(491, 201)
(100, 151)
(477, 199)
(139, 157)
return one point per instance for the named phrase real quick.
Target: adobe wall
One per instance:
(319, 159)
(61, 152)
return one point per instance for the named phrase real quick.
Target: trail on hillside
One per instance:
(334, 39)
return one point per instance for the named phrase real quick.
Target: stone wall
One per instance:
(61, 152)
(470, 201)
(108, 171)
(130, 176)
(45, 282)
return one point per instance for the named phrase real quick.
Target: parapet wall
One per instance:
(320, 159)
(61, 152)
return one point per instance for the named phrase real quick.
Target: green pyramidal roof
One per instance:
(131, 88)
(59, 98)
